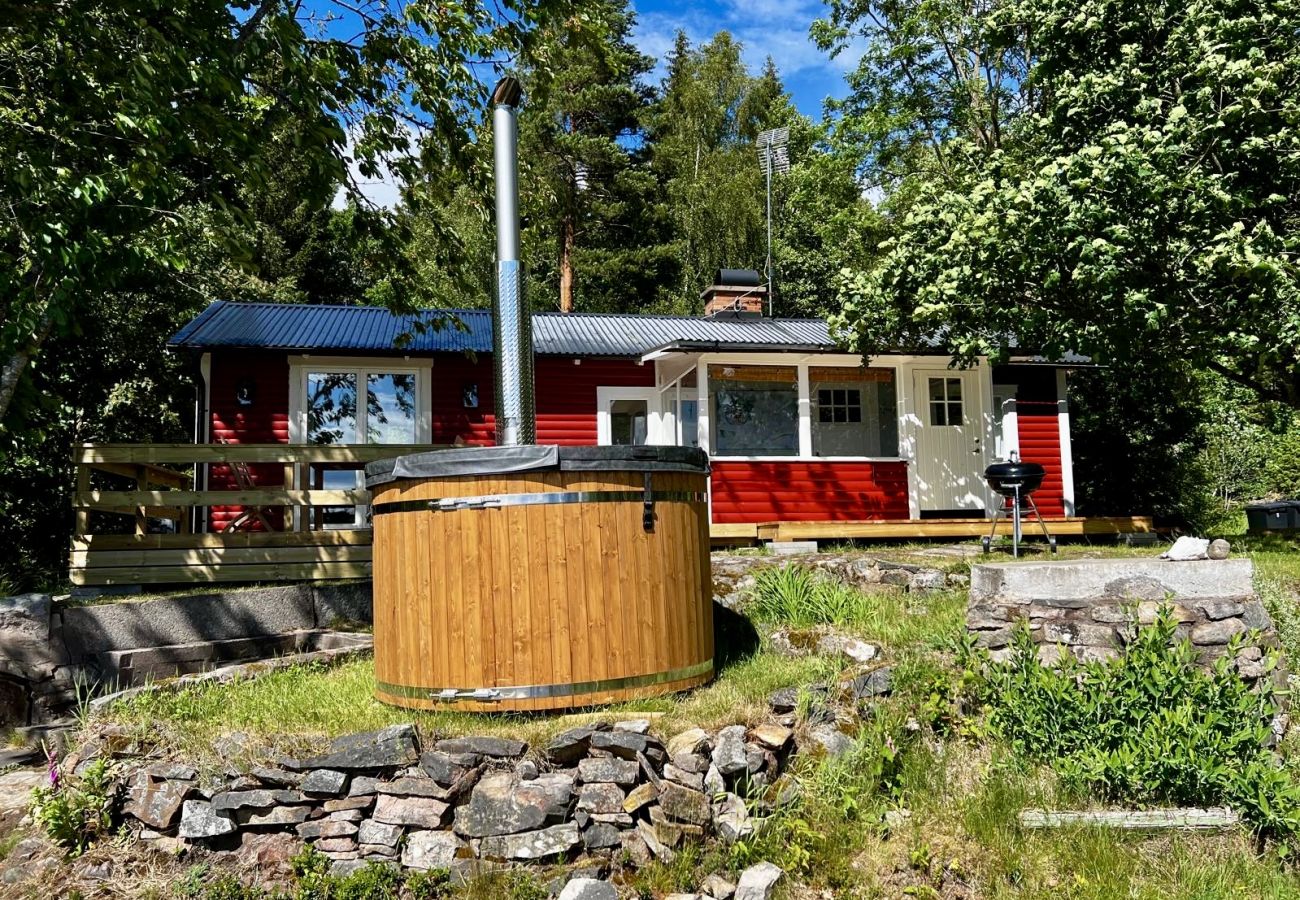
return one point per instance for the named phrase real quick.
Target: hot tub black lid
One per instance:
(536, 457)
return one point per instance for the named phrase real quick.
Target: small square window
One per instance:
(946, 402)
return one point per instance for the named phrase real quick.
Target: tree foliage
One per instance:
(1135, 197)
(115, 116)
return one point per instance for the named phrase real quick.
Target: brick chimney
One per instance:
(735, 292)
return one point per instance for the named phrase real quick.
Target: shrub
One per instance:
(75, 812)
(1147, 727)
(795, 595)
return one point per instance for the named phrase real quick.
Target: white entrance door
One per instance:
(949, 455)
(627, 415)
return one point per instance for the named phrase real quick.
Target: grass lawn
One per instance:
(949, 790)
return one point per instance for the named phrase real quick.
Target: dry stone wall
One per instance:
(467, 803)
(1089, 608)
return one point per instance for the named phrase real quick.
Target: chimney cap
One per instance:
(737, 278)
(508, 92)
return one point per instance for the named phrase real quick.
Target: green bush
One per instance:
(1147, 727)
(74, 812)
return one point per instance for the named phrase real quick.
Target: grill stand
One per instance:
(1015, 522)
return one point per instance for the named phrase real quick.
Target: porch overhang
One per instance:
(687, 347)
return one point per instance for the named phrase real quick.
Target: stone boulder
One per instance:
(502, 804)
(391, 747)
(758, 882)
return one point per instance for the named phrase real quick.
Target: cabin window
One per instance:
(754, 410)
(334, 414)
(855, 411)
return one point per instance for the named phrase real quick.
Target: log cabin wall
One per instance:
(249, 404)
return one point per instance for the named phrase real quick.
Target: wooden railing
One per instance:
(140, 519)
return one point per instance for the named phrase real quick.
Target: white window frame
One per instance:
(300, 367)
(655, 424)
(901, 365)
(361, 366)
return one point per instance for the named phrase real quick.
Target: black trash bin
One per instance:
(1282, 515)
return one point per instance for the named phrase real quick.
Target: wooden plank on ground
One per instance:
(261, 497)
(1179, 819)
(311, 571)
(211, 556)
(733, 531)
(249, 453)
(330, 538)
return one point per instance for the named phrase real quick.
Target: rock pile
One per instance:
(596, 790)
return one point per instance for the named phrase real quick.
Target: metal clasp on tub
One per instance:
(449, 695)
(451, 504)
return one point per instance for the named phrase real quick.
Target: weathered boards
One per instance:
(583, 579)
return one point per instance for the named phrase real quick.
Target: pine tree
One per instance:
(588, 197)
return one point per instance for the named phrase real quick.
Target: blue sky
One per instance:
(776, 28)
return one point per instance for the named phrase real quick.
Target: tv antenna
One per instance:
(773, 147)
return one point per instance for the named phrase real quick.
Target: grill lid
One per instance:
(1005, 477)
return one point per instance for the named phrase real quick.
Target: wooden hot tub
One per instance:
(540, 577)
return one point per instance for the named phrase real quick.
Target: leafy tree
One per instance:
(588, 198)
(1137, 200)
(823, 222)
(114, 116)
(710, 111)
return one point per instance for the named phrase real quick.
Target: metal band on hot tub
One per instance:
(549, 498)
(539, 691)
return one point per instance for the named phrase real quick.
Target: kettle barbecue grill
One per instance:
(1016, 482)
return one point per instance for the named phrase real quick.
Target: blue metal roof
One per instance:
(275, 326)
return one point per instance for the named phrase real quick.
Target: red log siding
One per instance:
(1040, 442)
(266, 421)
(566, 397)
(800, 491)
(450, 419)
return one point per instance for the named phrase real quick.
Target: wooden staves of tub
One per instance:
(540, 577)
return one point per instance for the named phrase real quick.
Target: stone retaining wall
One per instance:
(734, 574)
(1089, 607)
(595, 792)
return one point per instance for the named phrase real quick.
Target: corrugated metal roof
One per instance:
(275, 326)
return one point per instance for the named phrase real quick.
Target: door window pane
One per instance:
(390, 408)
(946, 402)
(332, 408)
(628, 422)
(855, 411)
(755, 410)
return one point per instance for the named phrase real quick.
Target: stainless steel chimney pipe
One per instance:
(512, 332)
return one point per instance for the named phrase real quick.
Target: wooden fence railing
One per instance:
(140, 519)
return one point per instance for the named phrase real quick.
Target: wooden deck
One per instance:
(907, 529)
(136, 505)
(136, 526)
